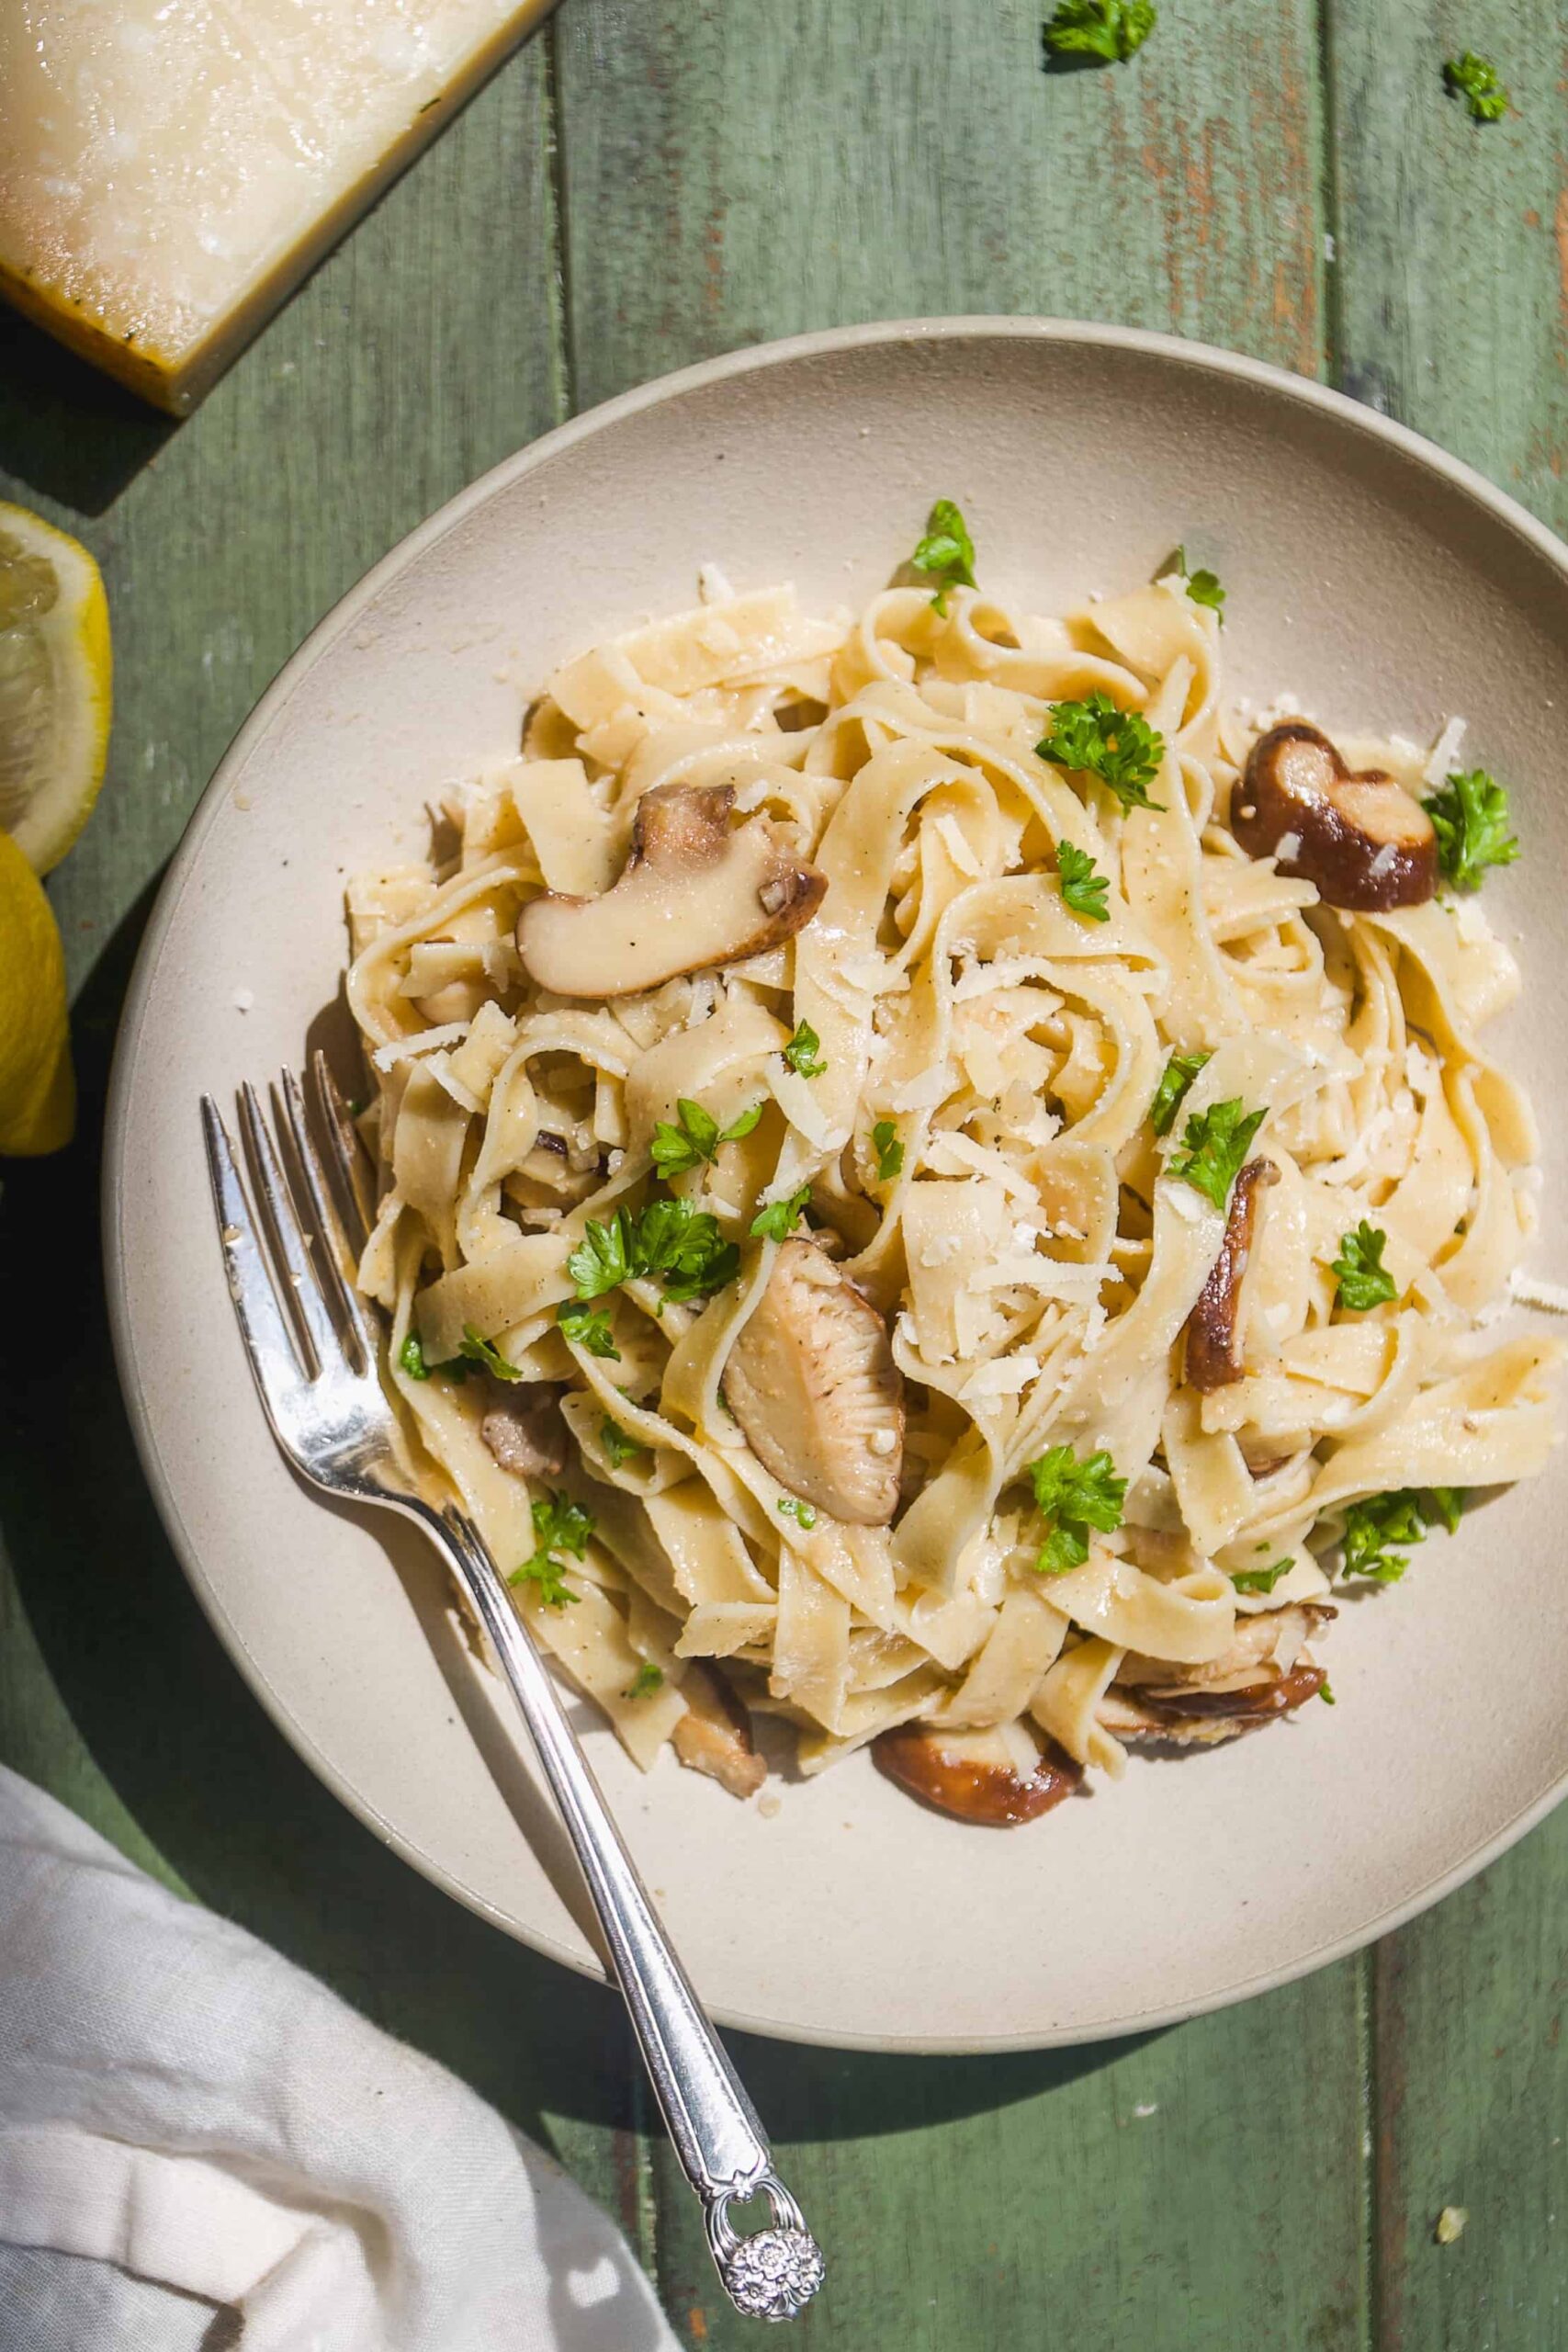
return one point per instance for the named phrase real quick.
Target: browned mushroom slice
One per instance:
(1265, 1672)
(523, 1430)
(812, 1382)
(695, 892)
(975, 1775)
(715, 1733)
(1256, 1703)
(1214, 1358)
(1363, 840)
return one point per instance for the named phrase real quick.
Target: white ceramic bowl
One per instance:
(1371, 578)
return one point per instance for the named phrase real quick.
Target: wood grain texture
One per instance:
(1449, 310)
(737, 169)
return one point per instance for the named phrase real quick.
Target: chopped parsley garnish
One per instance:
(1083, 886)
(697, 1137)
(1364, 1280)
(1373, 1527)
(410, 1357)
(1110, 28)
(804, 1515)
(560, 1525)
(1073, 1496)
(618, 1443)
(1262, 1579)
(1202, 587)
(1474, 79)
(1172, 1093)
(803, 1052)
(588, 1327)
(1119, 747)
(648, 1678)
(778, 1220)
(888, 1150)
(1470, 816)
(946, 553)
(1325, 1692)
(478, 1350)
(1212, 1149)
(681, 1245)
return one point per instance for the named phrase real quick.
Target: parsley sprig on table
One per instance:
(1117, 747)
(1083, 886)
(1373, 1527)
(888, 1150)
(777, 1220)
(1471, 817)
(1110, 28)
(1364, 1281)
(560, 1525)
(1072, 1496)
(1475, 80)
(1212, 1147)
(803, 1052)
(946, 552)
(697, 1137)
(1172, 1093)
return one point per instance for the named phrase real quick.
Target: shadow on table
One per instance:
(226, 1802)
(65, 430)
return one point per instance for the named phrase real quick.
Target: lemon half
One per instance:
(37, 1093)
(54, 686)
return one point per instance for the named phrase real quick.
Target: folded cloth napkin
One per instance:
(202, 2146)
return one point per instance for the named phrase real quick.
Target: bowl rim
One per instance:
(1203, 358)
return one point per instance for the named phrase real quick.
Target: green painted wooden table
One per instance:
(647, 182)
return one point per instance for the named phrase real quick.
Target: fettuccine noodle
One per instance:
(966, 1131)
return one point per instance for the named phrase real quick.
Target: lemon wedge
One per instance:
(54, 686)
(37, 1093)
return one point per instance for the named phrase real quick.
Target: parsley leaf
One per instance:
(778, 1220)
(1262, 1579)
(803, 1052)
(588, 1327)
(410, 1357)
(947, 552)
(1447, 1504)
(618, 1443)
(1364, 1280)
(648, 1678)
(478, 1350)
(685, 1247)
(1073, 1496)
(560, 1525)
(1470, 816)
(1094, 738)
(603, 1258)
(1172, 1093)
(804, 1515)
(1203, 588)
(1325, 1693)
(1373, 1527)
(697, 1137)
(1212, 1149)
(1083, 887)
(1474, 79)
(1108, 29)
(888, 1150)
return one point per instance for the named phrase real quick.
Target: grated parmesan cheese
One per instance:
(1445, 753)
(714, 584)
(1532, 1289)
(423, 1041)
(1287, 847)
(1384, 863)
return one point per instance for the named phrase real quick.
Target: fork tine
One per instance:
(336, 1272)
(270, 1344)
(349, 1156)
(290, 1246)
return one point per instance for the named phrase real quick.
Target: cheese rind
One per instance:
(171, 169)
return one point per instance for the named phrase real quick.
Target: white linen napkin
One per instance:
(190, 2126)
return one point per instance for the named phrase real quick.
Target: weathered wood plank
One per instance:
(737, 170)
(1451, 310)
(424, 351)
(734, 170)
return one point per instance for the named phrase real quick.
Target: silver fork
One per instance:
(314, 1348)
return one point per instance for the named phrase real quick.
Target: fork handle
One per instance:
(773, 2273)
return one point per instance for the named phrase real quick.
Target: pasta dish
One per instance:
(936, 1181)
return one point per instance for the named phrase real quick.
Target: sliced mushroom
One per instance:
(1362, 839)
(1213, 1357)
(1257, 1703)
(1266, 1642)
(715, 1733)
(812, 1382)
(980, 1776)
(1265, 1673)
(693, 893)
(523, 1430)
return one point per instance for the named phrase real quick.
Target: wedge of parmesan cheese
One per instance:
(171, 169)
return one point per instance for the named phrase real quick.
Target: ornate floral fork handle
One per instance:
(313, 1349)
